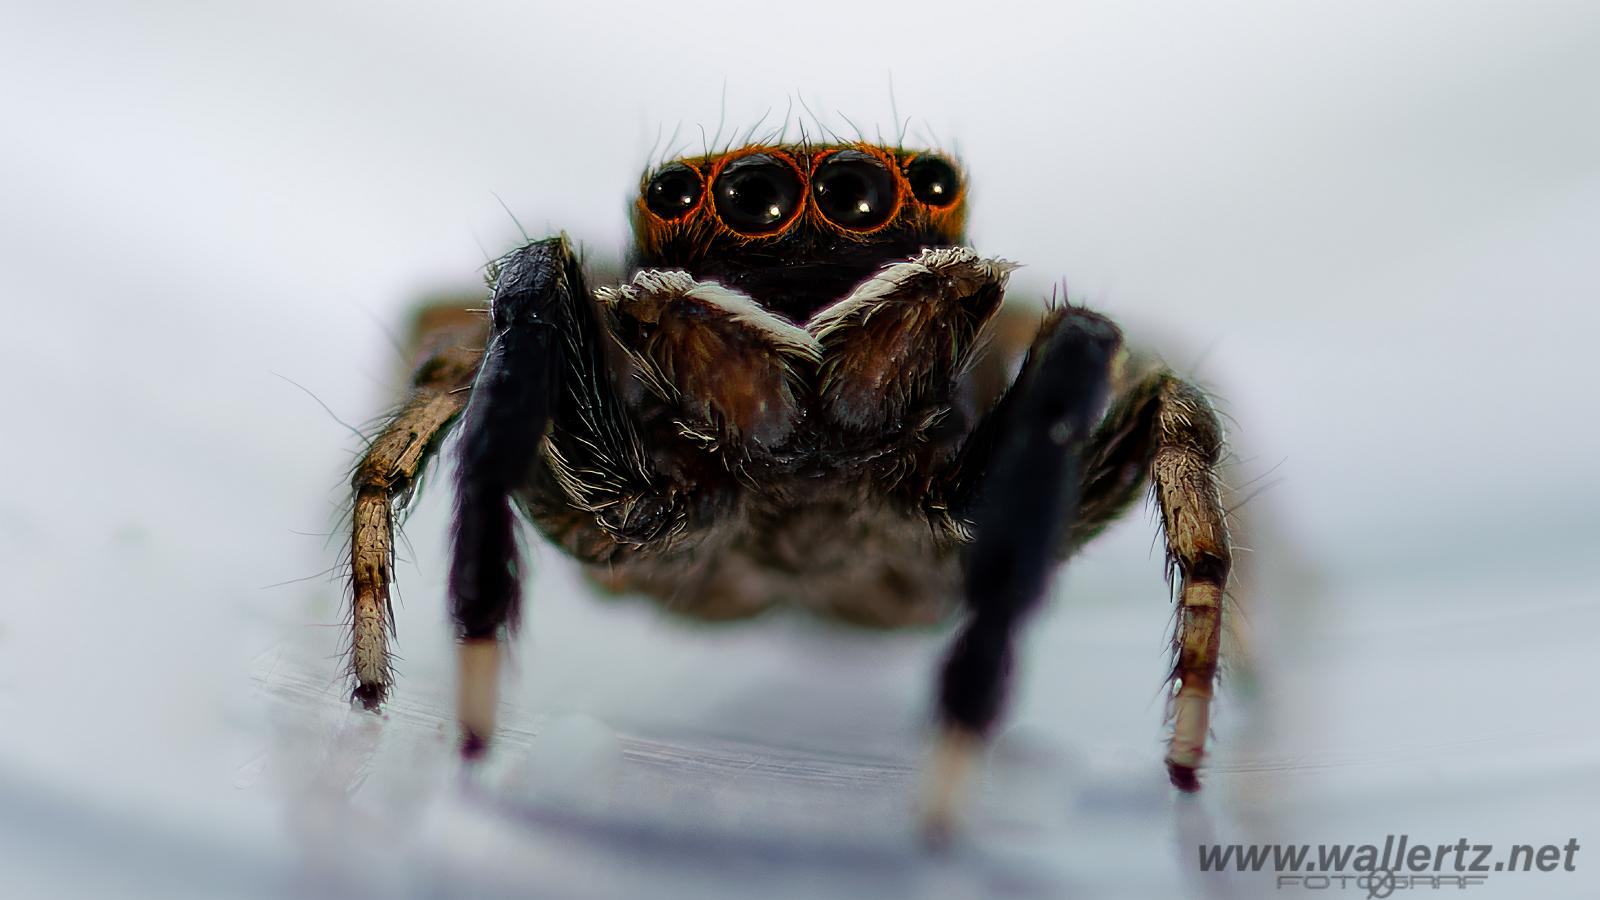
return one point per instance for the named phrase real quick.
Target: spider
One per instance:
(806, 395)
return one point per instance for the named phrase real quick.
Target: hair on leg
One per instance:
(1163, 430)
(450, 345)
(1189, 445)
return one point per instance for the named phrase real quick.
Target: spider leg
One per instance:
(1022, 508)
(448, 338)
(1117, 456)
(1189, 443)
(1161, 427)
(502, 428)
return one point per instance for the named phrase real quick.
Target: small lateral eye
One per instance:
(933, 180)
(756, 194)
(673, 191)
(854, 190)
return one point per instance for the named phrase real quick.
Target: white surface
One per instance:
(1374, 222)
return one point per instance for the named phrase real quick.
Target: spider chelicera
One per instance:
(806, 395)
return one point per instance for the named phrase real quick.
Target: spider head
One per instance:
(797, 226)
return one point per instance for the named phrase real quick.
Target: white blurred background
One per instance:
(1363, 225)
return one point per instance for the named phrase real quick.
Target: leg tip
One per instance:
(938, 832)
(1187, 749)
(473, 746)
(370, 696)
(477, 693)
(1183, 777)
(949, 774)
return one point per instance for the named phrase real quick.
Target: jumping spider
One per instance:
(802, 397)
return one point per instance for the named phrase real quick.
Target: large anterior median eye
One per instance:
(933, 180)
(673, 191)
(756, 194)
(854, 190)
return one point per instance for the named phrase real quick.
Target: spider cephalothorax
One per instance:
(801, 397)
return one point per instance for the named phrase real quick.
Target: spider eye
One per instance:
(854, 190)
(933, 180)
(673, 191)
(756, 194)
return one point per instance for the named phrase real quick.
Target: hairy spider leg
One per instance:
(449, 342)
(1189, 444)
(1162, 431)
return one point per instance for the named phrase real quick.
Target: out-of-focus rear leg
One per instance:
(449, 342)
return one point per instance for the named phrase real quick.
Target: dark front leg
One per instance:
(1022, 505)
(535, 295)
